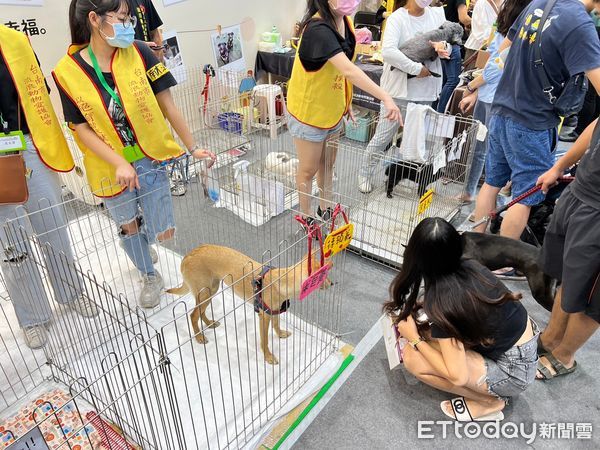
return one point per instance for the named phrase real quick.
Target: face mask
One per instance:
(423, 3)
(345, 7)
(123, 36)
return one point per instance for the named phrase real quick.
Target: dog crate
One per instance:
(100, 382)
(143, 371)
(429, 158)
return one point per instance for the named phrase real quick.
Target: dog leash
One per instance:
(497, 212)
(336, 212)
(313, 230)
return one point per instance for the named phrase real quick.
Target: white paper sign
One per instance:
(439, 160)
(390, 338)
(11, 143)
(173, 57)
(444, 126)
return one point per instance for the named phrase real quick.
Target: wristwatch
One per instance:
(416, 342)
(470, 89)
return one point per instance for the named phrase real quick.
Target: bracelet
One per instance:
(470, 89)
(192, 150)
(416, 342)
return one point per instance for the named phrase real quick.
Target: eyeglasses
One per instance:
(128, 21)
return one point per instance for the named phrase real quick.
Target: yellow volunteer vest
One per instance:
(320, 98)
(44, 127)
(139, 103)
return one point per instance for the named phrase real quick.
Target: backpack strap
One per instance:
(537, 54)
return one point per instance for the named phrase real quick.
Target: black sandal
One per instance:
(559, 368)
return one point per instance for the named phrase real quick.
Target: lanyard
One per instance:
(100, 76)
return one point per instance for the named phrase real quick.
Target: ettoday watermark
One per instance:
(530, 432)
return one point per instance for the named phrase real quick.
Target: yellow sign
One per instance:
(425, 201)
(338, 240)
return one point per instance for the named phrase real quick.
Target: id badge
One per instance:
(12, 142)
(133, 153)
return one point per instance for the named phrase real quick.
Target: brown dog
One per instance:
(206, 266)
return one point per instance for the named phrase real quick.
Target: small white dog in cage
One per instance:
(281, 163)
(269, 288)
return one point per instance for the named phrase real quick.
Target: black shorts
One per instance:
(571, 254)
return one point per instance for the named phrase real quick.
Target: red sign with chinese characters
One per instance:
(314, 282)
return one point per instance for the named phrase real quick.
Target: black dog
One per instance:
(495, 252)
(422, 174)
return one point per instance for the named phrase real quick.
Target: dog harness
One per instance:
(259, 305)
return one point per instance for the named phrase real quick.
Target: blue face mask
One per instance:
(123, 36)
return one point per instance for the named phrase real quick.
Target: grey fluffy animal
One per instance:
(420, 50)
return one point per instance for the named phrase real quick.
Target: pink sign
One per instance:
(314, 282)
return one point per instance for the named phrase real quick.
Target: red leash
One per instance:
(337, 211)
(313, 231)
(533, 190)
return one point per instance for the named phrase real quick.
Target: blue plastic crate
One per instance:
(358, 131)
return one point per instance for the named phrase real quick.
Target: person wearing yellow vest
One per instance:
(115, 95)
(25, 110)
(385, 10)
(320, 94)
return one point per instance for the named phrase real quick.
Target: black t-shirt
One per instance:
(506, 323)
(586, 186)
(451, 9)
(9, 101)
(148, 19)
(72, 113)
(320, 42)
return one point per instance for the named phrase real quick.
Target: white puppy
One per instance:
(281, 163)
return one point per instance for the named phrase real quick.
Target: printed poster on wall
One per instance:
(227, 48)
(173, 57)
(22, 2)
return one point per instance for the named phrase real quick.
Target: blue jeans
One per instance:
(21, 263)
(481, 113)
(451, 69)
(151, 205)
(520, 154)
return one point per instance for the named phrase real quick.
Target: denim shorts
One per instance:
(152, 202)
(309, 133)
(515, 370)
(520, 154)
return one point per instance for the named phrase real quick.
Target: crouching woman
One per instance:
(482, 344)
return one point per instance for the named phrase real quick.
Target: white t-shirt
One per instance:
(399, 28)
(483, 19)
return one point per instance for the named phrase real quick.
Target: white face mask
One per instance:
(423, 3)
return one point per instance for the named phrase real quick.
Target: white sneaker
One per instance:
(152, 250)
(364, 185)
(84, 307)
(35, 336)
(153, 286)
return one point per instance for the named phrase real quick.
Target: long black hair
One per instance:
(322, 8)
(511, 9)
(453, 300)
(79, 10)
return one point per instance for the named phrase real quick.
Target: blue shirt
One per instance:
(491, 72)
(570, 46)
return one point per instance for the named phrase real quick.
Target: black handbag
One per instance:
(570, 100)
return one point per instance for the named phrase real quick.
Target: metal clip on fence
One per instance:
(493, 214)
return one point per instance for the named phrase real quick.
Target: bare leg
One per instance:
(479, 401)
(325, 173)
(515, 221)
(580, 328)
(486, 202)
(554, 332)
(309, 156)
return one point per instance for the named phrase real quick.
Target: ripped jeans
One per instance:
(151, 206)
(22, 263)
